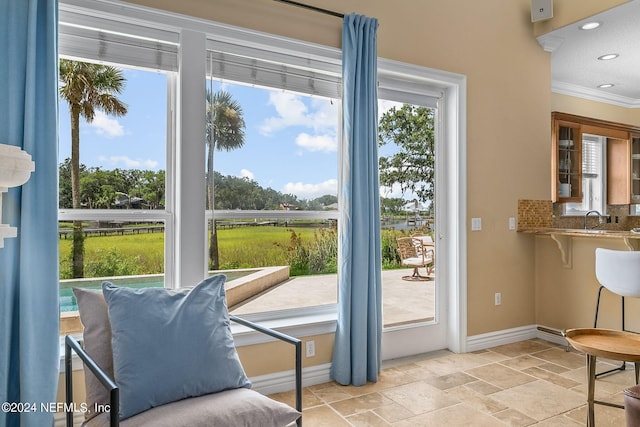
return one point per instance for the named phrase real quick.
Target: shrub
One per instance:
(111, 262)
(316, 257)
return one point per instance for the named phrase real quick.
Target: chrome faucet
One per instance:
(589, 213)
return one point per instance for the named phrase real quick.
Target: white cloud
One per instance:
(107, 126)
(385, 105)
(317, 143)
(395, 192)
(293, 111)
(311, 191)
(129, 163)
(245, 173)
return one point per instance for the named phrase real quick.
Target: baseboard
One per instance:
(505, 336)
(551, 334)
(285, 381)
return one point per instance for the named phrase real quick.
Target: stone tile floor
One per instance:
(532, 382)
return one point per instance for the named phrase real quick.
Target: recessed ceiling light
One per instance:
(606, 85)
(608, 56)
(590, 25)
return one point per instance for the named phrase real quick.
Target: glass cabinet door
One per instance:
(568, 138)
(635, 168)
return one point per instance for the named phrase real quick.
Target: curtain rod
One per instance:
(315, 9)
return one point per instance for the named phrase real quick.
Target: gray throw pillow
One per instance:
(97, 343)
(170, 345)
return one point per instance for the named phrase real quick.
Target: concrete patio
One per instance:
(403, 301)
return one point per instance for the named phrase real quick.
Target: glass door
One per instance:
(413, 319)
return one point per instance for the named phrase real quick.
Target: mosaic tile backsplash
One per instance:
(535, 214)
(544, 214)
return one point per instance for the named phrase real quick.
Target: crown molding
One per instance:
(570, 89)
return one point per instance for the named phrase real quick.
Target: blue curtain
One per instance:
(29, 317)
(356, 357)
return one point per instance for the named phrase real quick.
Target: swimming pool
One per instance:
(68, 300)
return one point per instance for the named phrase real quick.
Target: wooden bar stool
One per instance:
(610, 344)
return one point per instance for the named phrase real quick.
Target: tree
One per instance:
(392, 205)
(411, 129)
(86, 88)
(225, 131)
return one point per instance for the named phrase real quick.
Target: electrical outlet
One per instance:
(311, 348)
(498, 298)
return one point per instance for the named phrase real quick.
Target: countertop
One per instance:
(579, 232)
(564, 238)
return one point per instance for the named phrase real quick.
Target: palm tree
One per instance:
(86, 88)
(225, 131)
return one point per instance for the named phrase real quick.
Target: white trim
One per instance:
(170, 275)
(505, 336)
(508, 336)
(555, 337)
(175, 22)
(451, 216)
(591, 94)
(279, 382)
(453, 235)
(190, 250)
(113, 214)
(308, 324)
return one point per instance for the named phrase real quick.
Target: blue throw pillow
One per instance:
(170, 345)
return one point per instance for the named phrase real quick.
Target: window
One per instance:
(593, 177)
(272, 162)
(120, 212)
(278, 83)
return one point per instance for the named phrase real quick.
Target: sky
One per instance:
(290, 145)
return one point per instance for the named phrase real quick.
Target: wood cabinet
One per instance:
(567, 161)
(622, 158)
(618, 171)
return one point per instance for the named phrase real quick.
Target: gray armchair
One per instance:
(229, 404)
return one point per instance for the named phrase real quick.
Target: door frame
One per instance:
(449, 328)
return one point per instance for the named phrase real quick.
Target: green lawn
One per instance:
(307, 252)
(143, 253)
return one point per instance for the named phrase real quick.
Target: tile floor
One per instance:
(532, 382)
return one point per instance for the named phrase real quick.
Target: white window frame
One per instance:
(183, 217)
(580, 209)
